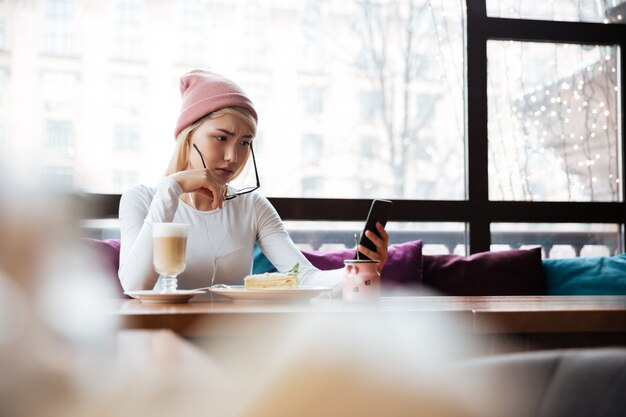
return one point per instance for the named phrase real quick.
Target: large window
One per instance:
(126, 139)
(254, 19)
(598, 11)
(2, 39)
(58, 177)
(3, 82)
(193, 47)
(553, 122)
(3, 107)
(128, 29)
(547, 124)
(345, 70)
(59, 88)
(59, 27)
(59, 136)
(128, 91)
(558, 240)
(500, 117)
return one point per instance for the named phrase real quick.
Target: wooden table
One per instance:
(510, 323)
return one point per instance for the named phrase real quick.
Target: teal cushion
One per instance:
(260, 263)
(604, 275)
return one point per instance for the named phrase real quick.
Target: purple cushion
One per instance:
(402, 269)
(512, 272)
(109, 252)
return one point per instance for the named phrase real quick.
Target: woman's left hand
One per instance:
(381, 244)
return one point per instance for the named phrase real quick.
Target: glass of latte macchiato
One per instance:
(170, 244)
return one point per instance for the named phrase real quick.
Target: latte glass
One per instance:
(169, 248)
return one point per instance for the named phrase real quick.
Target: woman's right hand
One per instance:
(200, 181)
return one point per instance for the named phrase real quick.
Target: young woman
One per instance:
(214, 136)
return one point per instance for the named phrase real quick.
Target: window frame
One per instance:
(482, 211)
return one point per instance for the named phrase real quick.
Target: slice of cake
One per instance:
(273, 279)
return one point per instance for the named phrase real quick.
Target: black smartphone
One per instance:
(379, 213)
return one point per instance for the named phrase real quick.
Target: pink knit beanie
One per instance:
(204, 92)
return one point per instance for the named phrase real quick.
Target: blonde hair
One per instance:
(180, 157)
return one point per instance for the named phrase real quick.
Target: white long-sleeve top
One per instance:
(220, 242)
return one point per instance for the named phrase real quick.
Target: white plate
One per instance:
(155, 297)
(240, 293)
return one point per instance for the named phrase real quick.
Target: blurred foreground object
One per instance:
(365, 364)
(53, 336)
(390, 365)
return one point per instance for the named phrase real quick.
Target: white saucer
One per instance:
(156, 297)
(240, 293)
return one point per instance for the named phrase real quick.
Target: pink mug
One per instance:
(361, 282)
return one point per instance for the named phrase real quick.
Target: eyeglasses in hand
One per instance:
(232, 192)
